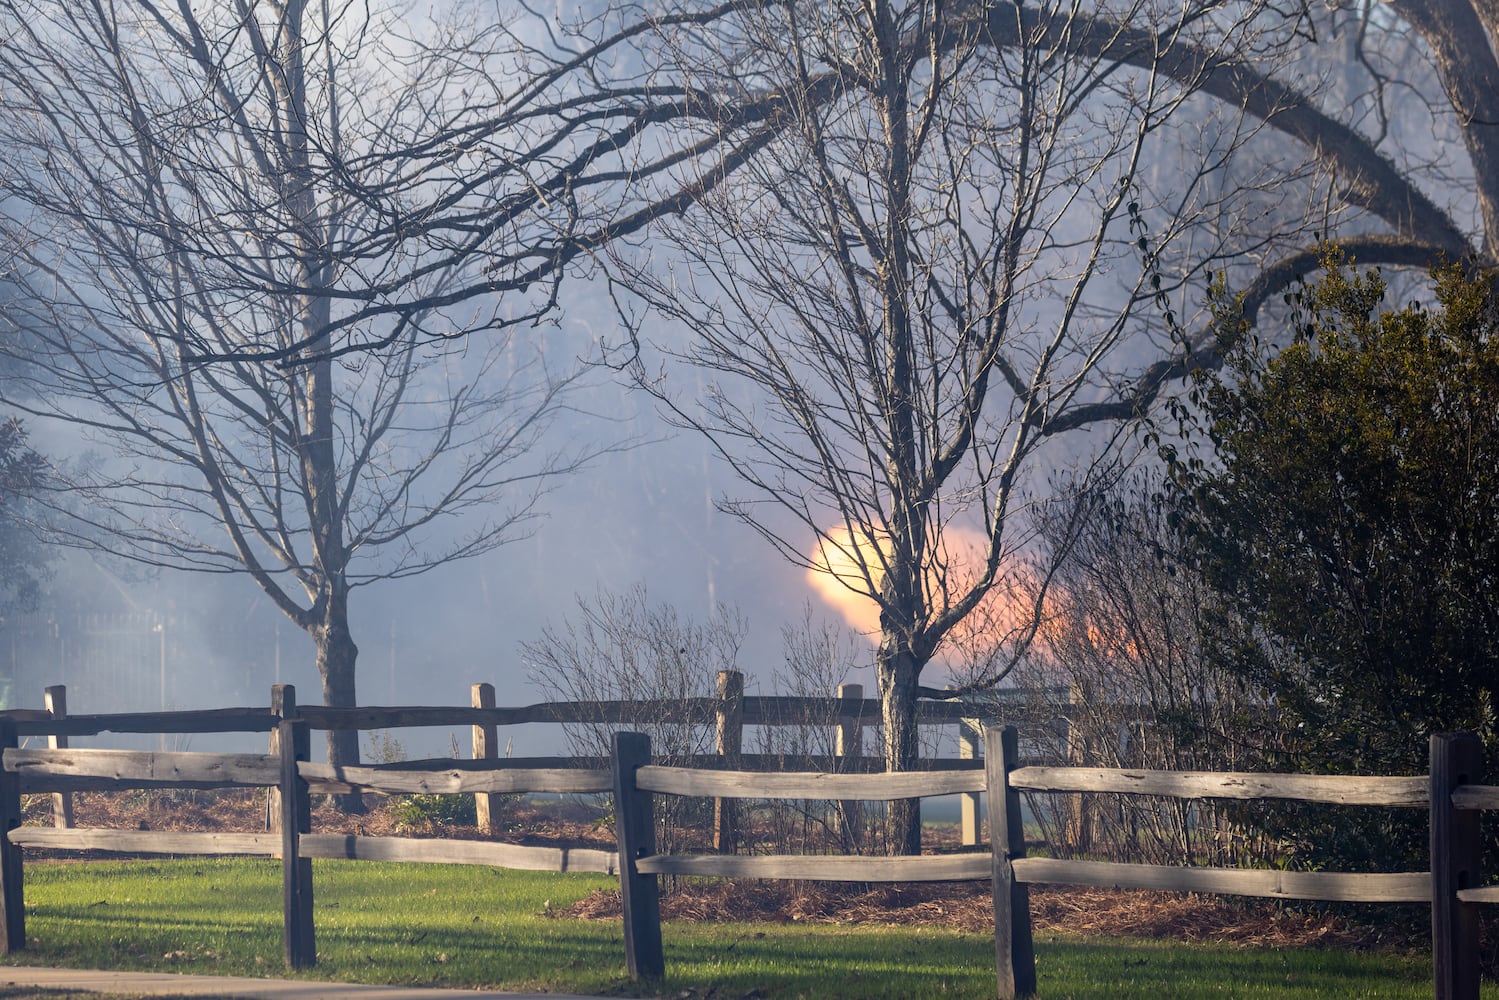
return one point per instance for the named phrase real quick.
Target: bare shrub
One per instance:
(818, 657)
(620, 647)
(1123, 662)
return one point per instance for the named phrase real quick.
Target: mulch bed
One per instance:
(969, 907)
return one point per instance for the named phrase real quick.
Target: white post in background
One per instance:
(970, 738)
(55, 700)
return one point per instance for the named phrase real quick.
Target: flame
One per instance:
(1003, 616)
(837, 576)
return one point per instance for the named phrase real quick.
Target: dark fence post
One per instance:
(296, 871)
(55, 700)
(634, 828)
(12, 894)
(1014, 954)
(728, 741)
(1456, 851)
(486, 738)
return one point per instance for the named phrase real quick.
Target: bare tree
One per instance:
(1382, 117)
(212, 212)
(26, 560)
(914, 298)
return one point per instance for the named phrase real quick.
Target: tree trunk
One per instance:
(898, 671)
(336, 657)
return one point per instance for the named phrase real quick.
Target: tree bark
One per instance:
(336, 658)
(898, 671)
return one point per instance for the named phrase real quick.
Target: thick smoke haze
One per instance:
(640, 515)
(122, 639)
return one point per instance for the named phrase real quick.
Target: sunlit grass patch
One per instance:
(468, 926)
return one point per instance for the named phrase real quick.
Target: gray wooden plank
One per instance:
(1475, 797)
(1399, 887)
(147, 841)
(1482, 894)
(759, 785)
(228, 770)
(454, 780)
(459, 852)
(216, 720)
(1332, 788)
(818, 868)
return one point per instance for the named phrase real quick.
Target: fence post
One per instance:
(486, 739)
(970, 733)
(12, 893)
(1456, 851)
(296, 871)
(1014, 955)
(283, 707)
(729, 740)
(848, 744)
(55, 700)
(635, 832)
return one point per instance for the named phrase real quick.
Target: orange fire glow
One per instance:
(1002, 617)
(837, 576)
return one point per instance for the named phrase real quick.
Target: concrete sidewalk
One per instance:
(166, 984)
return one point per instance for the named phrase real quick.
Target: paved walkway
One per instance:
(166, 984)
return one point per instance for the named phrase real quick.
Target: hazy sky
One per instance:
(643, 515)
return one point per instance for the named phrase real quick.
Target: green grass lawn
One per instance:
(468, 926)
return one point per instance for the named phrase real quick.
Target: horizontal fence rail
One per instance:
(148, 841)
(459, 852)
(1335, 789)
(451, 780)
(224, 720)
(816, 868)
(1475, 797)
(133, 768)
(756, 710)
(760, 785)
(1401, 887)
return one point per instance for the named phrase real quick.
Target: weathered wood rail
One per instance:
(1452, 792)
(848, 714)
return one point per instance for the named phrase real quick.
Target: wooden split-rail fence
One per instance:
(1450, 791)
(728, 714)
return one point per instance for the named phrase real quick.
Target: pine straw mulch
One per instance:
(961, 906)
(969, 907)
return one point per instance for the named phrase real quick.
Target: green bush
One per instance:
(435, 810)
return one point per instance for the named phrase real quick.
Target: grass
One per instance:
(478, 927)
